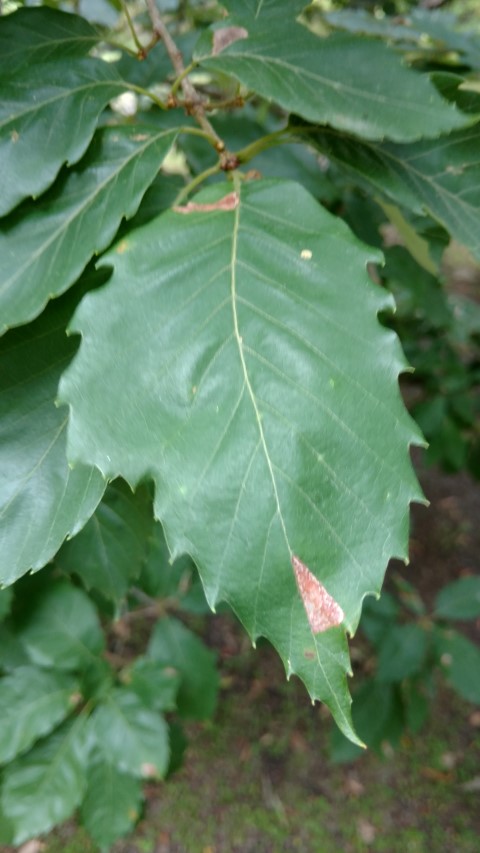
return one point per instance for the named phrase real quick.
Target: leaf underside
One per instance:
(213, 356)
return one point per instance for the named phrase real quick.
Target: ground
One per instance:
(258, 779)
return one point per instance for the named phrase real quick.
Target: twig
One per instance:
(136, 40)
(193, 103)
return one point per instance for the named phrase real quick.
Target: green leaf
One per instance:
(177, 580)
(45, 786)
(351, 83)
(378, 717)
(6, 596)
(45, 245)
(32, 703)
(273, 427)
(12, 653)
(254, 11)
(60, 628)
(108, 553)
(378, 616)
(48, 114)
(460, 661)
(42, 500)
(403, 652)
(111, 806)
(439, 176)
(155, 684)
(131, 736)
(174, 645)
(31, 36)
(460, 599)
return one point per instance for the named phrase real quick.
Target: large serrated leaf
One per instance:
(440, 176)
(31, 36)
(112, 801)
(32, 703)
(44, 787)
(45, 245)
(48, 114)
(350, 83)
(108, 553)
(263, 399)
(42, 500)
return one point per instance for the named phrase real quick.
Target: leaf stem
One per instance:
(198, 179)
(138, 44)
(278, 137)
(179, 80)
(193, 102)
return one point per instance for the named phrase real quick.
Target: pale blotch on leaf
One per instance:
(305, 254)
(149, 771)
(228, 202)
(322, 610)
(225, 36)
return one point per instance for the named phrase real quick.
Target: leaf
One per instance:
(61, 628)
(46, 245)
(172, 644)
(108, 553)
(42, 500)
(48, 114)
(111, 806)
(460, 661)
(271, 425)
(131, 736)
(32, 703)
(378, 717)
(351, 83)
(460, 599)
(155, 684)
(403, 652)
(254, 11)
(179, 580)
(31, 36)
(45, 786)
(439, 176)
(5, 602)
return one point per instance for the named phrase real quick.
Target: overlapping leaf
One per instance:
(45, 245)
(31, 36)
(42, 500)
(263, 399)
(48, 114)
(32, 703)
(350, 83)
(440, 176)
(111, 805)
(44, 787)
(108, 553)
(132, 736)
(61, 629)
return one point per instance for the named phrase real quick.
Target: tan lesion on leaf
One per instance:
(14, 136)
(226, 36)
(323, 612)
(227, 203)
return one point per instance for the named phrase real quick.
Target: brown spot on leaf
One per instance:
(122, 247)
(225, 36)
(228, 202)
(14, 136)
(322, 610)
(149, 771)
(309, 655)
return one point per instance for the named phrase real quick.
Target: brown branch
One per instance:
(193, 102)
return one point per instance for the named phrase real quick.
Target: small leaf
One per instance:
(60, 628)
(45, 786)
(154, 683)
(460, 662)
(32, 703)
(111, 806)
(402, 653)
(131, 736)
(45, 245)
(350, 83)
(108, 553)
(48, 114)
(175, 646)
(31, 36)
(460, 599)
(42, 500)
